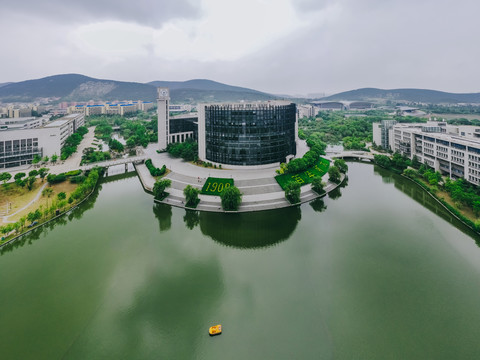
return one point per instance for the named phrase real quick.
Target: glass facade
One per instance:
(18, 152)
(250, 134)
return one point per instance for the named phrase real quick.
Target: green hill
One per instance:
(75, 87)
(410, 95)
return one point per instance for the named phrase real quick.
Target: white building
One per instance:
(18, 146)
(441, 147)
(163, 117)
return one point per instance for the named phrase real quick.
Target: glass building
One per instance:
(247, 134)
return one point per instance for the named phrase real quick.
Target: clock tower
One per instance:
(163, 99)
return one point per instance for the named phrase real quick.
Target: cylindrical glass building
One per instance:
(247, 134)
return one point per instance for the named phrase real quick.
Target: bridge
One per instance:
(358, 155)
(121, 161)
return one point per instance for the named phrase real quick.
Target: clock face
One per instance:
(164, 92)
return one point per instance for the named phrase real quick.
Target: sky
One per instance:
(294, 47)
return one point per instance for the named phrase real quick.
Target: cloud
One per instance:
(144, 12)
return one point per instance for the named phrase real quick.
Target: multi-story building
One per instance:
(18, 146)
(440, 146)
(382, 132)
(247, 134)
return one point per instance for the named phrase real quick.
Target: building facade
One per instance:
(247, 134)
(18, 146)
(442, 147)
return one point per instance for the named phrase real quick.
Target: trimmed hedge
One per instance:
(154, 171)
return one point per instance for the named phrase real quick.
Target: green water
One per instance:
(376, 271)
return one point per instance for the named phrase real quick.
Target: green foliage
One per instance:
(19, 175)
(71, 144)
(20, 182)
(87, 186)
(30, 181)
(92, 156)
(341, 165)
(318, 185)
(35, 215)
(55, 179)
(79, 179)
(410, 173)
(334, 174)
(231, 198)
(187, 150)
(36, 159)
(33, 173)
(159, 188)
(191, 196)
(319, 169)
(54, 158)
(333, 127)
(5, 176)
(73, 173)
(292, 192)
(47, 192)
(154, 171)
(116, 145)
(61, 195)
(42, 172)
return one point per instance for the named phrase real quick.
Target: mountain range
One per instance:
(75, 87)
(409, 95)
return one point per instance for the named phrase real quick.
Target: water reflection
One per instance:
(163, 213)
(191, 218)
(318, 205)
(418, 194)
(76, 213)
(251, 230)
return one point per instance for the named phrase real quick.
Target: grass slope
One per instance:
(304, 177)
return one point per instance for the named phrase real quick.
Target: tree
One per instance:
(292, 192)
(318, 185)
(19, 175)
(47, 192)
(410, 173)
(45, 159)
(159, 188)
(42, 172)
(36, 159)
(231, 198)
(33, 173)
(334, 174)
(341, 165)
(35, 215)
(54, 158)
(61, 196)
(191, 195)
(30, 181)
(5, 176)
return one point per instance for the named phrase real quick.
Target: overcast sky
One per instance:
(277, 46)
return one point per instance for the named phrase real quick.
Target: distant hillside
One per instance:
(411, 95)
(3, 84)
(75, 87)
(202, 90)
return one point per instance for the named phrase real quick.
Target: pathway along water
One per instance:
(372, 272)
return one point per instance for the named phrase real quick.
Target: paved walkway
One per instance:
(259, 188)
(39, 193)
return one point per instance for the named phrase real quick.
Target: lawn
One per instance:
(305, 177)
(18, 197)
(214, 186)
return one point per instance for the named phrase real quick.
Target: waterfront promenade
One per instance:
(259, 188)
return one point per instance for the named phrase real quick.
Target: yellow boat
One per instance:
(215, 330)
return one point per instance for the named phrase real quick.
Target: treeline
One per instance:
(72, 142)
(397, 163)
(60, 204)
